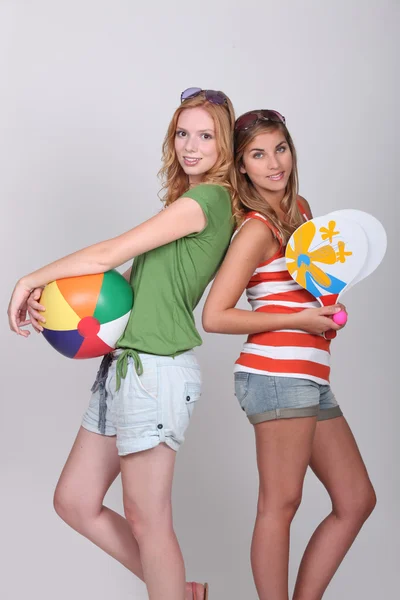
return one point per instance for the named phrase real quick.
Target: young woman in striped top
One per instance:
(282, 374)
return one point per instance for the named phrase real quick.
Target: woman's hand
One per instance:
(318, 320)
(17, 309)
(33, 309)
(344, 309)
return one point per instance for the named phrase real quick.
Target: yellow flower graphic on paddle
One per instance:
(303, 259)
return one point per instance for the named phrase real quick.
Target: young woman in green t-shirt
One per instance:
(145, 391)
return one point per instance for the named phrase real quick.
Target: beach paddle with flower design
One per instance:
(325, 255)
(376, 236)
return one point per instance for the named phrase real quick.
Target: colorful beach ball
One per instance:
(85, 316)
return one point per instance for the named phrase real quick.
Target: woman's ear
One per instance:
(242, 169)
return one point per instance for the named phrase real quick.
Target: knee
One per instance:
(149, 520)
(357, 507)
(72, 509)
(66, 506)
(370, 503)
(283, 507)
(366, 504)
(290, 505)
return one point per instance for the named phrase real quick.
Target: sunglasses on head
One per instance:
(251, 118)
(212, 96)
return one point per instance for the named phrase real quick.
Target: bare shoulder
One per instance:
(255, 230)
(255, 239)
(245, 253)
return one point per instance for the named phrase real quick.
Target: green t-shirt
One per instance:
(169, 281)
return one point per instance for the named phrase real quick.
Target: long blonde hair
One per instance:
(248, 199)
(175, 182)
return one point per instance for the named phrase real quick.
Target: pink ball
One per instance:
(340, 318)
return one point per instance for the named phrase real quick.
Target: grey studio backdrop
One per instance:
(87, 89)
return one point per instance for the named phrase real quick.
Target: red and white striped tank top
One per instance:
(286, 352)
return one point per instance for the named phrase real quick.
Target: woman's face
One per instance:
(195, 143)
(268, 162)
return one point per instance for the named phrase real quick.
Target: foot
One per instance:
(195, 591)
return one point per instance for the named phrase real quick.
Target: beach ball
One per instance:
(86, 315)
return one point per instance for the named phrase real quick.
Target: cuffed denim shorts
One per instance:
(148, 409)
(266, 397)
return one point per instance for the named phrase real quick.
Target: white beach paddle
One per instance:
(376, 236)
(325, 255)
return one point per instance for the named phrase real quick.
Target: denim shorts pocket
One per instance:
(241, 387)
(148, 380)
(192, 392)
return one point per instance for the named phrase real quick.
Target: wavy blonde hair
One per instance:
(247, 199)
(175, 182)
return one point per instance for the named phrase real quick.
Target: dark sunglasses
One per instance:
(211, 95)
(251, 118)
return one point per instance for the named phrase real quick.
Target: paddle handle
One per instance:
(330, 335)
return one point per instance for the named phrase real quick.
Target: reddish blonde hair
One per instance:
(175, 181)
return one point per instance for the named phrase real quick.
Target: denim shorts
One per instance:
(266, 397)
(148, 409)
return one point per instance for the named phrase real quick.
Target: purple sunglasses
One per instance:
(253, 117)
(212, 96)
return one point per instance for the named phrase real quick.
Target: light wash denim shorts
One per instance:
(148, 409)
(266, 397)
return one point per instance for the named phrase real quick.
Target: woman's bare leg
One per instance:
(91, 468)
(147, 487)
(337, 462)
(283, 454)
